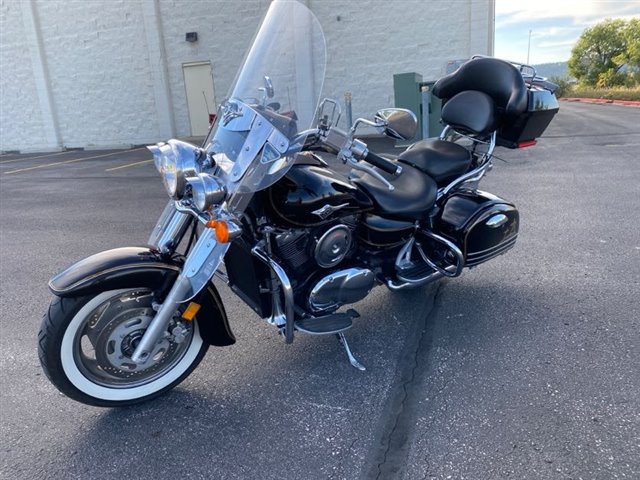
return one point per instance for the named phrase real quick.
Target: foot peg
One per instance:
(352, 360)
(327, 325)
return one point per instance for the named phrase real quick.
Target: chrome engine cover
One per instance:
(340, 288)
(333, 246)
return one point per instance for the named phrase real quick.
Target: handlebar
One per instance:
(349, 149)
(383, 164)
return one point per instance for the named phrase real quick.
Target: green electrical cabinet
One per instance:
(412, 93)
(431, 111)
(407, 95)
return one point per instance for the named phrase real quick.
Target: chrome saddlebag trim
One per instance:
(476, 258)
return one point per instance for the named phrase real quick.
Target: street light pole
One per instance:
(529, 47)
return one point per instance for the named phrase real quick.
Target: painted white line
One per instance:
(37, 156)
(120, 152)
(129, 165)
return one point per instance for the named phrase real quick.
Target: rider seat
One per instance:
(411, 199)
(443, 161)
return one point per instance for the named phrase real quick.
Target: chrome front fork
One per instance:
(169, 229)
(197, 271)
(158, 326)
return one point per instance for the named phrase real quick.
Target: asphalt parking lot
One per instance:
(525, 367)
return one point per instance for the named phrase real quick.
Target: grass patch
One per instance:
(614, 93)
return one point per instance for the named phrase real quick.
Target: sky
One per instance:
(555, 26)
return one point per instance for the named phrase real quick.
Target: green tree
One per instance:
(632, 36)
(564, 85)
(607, 54)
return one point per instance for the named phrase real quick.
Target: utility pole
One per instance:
(529, 47)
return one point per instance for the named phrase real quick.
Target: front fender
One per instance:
(133, 267)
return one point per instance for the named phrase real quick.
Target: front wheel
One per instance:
(85, 347)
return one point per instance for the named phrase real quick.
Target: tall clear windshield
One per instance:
(259, 128)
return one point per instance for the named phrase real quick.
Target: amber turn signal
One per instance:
(191, 311)
(221, 228)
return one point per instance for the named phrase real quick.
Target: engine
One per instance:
(319, 257)
(322, 247)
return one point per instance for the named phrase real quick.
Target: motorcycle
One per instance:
(259, 206)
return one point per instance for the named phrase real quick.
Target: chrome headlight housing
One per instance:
(206, 191)
(176, 160)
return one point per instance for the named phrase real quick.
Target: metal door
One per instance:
(198, 83)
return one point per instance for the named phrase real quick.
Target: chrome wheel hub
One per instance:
(109, 336)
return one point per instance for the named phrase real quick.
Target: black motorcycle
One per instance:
(259, 206)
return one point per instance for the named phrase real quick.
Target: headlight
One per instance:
(207, 191)
(176, 160)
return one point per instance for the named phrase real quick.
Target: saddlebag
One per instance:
(542, 106)
(482, 225)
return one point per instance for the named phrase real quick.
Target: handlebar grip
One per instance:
(383, 164)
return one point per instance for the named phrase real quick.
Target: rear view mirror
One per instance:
(398, 123)
(267, 90)
(268, 86)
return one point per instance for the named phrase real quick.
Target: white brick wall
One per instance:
(99, 71)
(105, 74)
(20, 115)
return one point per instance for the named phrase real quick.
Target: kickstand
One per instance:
(352, 359)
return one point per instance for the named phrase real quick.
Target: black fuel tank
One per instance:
(311, 195)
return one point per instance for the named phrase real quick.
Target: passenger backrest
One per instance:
(472, 112)
(497, 78)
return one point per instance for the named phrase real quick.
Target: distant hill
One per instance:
(557, 69)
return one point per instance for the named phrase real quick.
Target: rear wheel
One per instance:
(86, 343)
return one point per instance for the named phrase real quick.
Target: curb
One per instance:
(603, 101)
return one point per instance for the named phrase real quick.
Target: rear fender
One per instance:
(133, 267)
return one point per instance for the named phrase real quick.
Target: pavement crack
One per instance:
(339, 469)
(390, 459)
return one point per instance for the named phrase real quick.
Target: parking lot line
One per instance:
(70, 161)
(129, 165)
(33, 158)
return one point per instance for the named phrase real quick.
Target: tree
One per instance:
(607, 54)
(632, 36)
